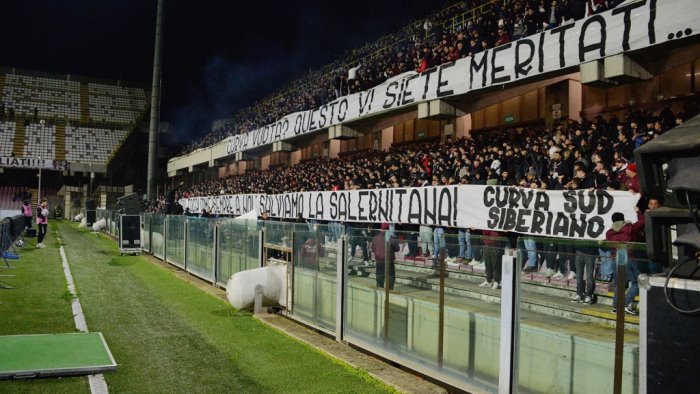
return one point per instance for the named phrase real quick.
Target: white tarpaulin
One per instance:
(554, 213)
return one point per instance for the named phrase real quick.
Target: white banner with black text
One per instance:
(584, 214)
(631, 26)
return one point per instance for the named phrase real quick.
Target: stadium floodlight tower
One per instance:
(155, 107)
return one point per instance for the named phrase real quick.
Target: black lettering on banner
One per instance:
(350, 215)
(538, 219)
(390, 95)
(312, 120)
(399, 193)
(298, 124)
(596, 226)
(562, 32)
(510, 218)
(372, 205)
(367, 103)
(514, 197)
(561, 225)
(360, 208)
(492, 222)
(384, 214)
(319, 205)
(523, 67)
(333, 201)
(496, 69)
(406, 98)
(475, 67)
(441, 83)
(521, 220)
(651, 28)
(540, 53)
(488, 196)
(501, 197)
(578, 226)
(541, 201)
(586, 206)
(605, 201)
(332, 105)
(426, 74)
(627, 10)
(344, 111)
(570, 204)
(428, 215)
(342, 207)
(414, 207)
(600, 46)
(445, 215)
(322, 115)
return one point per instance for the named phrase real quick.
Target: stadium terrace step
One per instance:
(60, 144)
(84, 102)
(544, 299)
(20, 136)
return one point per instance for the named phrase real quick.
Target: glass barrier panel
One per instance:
(314, 273)
(200, 247)
(567, 323)
(157, 239)
(175, 240)
(472, 311)
(394, 305)
(146, 232)
(233, 250)
(278, 240)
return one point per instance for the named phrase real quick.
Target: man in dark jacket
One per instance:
(384, 246)
(622, 231)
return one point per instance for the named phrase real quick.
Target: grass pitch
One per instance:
(165, 334)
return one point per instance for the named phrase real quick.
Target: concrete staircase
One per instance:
(84, 102)
(20, 137)
(60, 143)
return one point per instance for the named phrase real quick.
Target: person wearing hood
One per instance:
(622, 231)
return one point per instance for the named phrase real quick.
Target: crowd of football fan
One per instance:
(571, 155)
(418, 47)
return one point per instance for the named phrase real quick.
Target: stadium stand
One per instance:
(456, 31)
(7, 138)
(63, 117)
(92, 145)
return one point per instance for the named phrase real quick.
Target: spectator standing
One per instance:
(27, 213)
(384, 247)
(622, 231)
(42, 220)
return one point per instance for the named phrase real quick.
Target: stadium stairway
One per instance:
(2, 84)
(20, 136)
(84, 102)
(539, 295)
(60, 143)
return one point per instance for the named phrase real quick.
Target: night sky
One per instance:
(218, 55)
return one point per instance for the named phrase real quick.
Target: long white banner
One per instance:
(30, 162)
(583, 214)
(634, 25)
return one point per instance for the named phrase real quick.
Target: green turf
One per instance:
(167, 335)
(53, 354)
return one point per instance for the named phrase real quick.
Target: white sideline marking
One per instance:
(97, 382)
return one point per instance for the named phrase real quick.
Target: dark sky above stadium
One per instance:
(218, 55)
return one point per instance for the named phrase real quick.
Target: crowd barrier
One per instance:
(429, 315)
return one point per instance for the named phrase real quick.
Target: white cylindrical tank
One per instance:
(240, 289)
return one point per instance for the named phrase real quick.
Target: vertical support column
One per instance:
(165, 238)
(261, 248)
(441, 313)
(510, 323)
(215, 255)
(340, 283)
(187, 242)
(620, 282)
